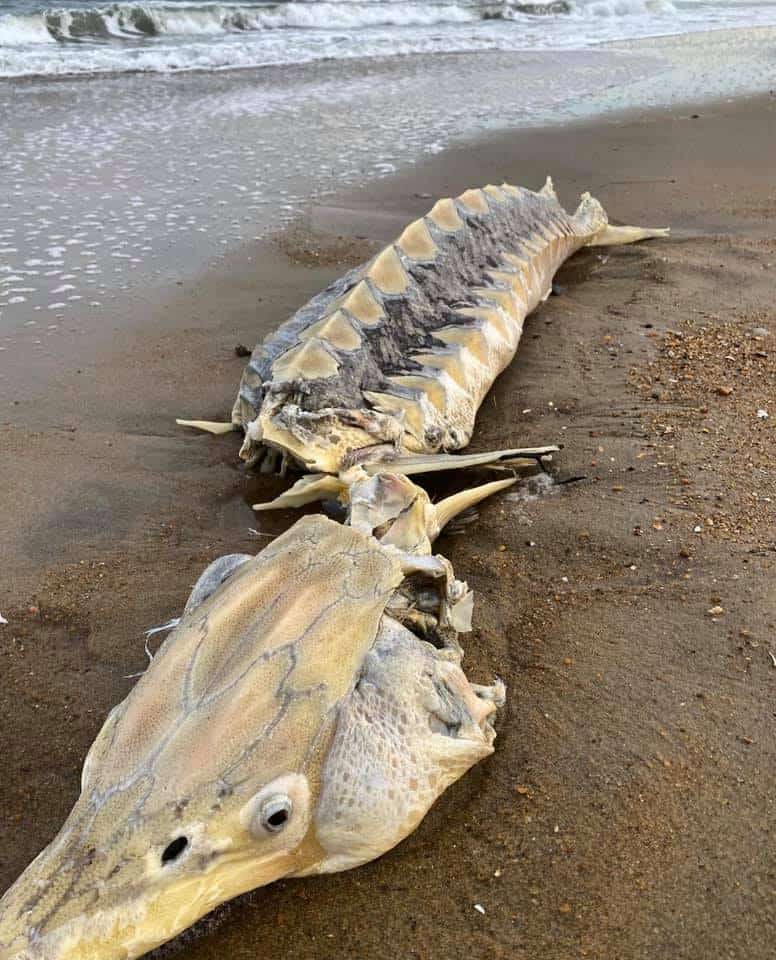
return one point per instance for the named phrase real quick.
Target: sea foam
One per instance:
(167, 37)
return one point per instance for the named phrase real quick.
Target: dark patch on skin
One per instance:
(204, 860)
(437, 291)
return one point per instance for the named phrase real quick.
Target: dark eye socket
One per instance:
(276, 813)
(174, 849)
(278, 818)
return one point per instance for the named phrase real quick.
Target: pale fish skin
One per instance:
(302, 718)
(395, 358)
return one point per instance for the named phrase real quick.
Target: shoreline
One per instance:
(117, 206)
(759, 30)
(617, 832)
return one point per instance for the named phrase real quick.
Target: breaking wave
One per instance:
(141, 21)
(168, 36)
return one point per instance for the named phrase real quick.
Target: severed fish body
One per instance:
(302, 718)
(395, 358)
(310, 706)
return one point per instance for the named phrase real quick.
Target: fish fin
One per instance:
(311, 487)
(614, 236)
(451, 506)
(589, 219)
(548, 190)
(429, 463)
(209, 426)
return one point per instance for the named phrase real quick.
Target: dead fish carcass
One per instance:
(394, 359)
(310, 706)
(302, 718)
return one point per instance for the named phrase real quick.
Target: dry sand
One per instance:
(627, 812)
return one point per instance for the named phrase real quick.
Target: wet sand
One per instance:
(627, 810)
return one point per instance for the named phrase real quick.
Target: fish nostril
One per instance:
(174, 849)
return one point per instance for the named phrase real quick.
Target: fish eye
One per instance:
(174, 849)
(275, 813)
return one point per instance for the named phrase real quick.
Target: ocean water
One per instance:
(165, 36)
(140, 144)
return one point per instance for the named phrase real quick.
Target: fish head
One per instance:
(203, 782)
(124, 875)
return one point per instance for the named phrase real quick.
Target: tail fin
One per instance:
(613, 236)
(590, 218)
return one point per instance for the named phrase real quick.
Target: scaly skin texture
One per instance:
(397, 356)
(288, 692)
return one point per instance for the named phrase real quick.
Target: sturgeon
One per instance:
(301, 719)
(389, 365)
(310, 706)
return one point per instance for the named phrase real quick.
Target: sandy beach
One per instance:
(627, 811)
